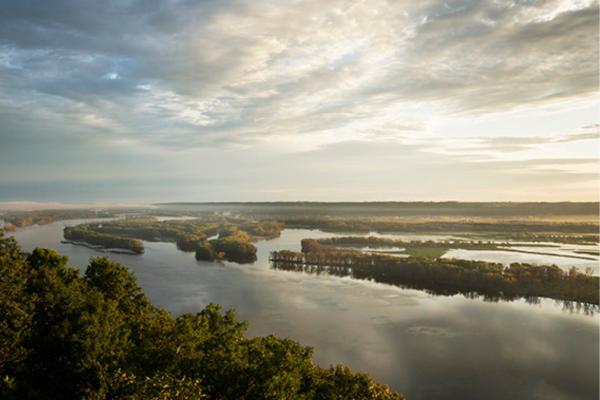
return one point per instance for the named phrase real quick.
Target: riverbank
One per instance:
(99, 248)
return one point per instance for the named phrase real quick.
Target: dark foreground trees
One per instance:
(67, 336)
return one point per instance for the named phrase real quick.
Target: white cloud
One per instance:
(300, 76)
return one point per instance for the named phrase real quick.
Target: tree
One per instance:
(205, 251)
(15, 306)
(236, 246)
(67, 336)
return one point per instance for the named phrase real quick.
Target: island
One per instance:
(536, 230)
(83, 235)
(434, 248)
(211, 237)
(232, 246)
(443, 276)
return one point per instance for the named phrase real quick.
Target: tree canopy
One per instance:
(443, 276)
(96, 336)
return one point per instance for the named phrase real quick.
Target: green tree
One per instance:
(15, 307)
(205, 251)
(65, 336)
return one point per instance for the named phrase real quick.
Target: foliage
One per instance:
(443, 276)
(416, 248)
(233, 244)
(370, 224)
(152, 230)
(427, 209)
(189, 243)
(205, 251)
(96, 336)
(43, 217)
(236, 246)
(268, 229)
(82, 233)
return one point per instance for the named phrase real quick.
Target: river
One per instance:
(425, 346)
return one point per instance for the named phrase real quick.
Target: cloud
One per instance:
(508, 144)
(238, 71)
(579, 136)
(168, 87)
(492, 56)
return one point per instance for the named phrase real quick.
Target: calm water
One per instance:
(507, 257)
(428, 347)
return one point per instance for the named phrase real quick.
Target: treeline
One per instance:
(96, 336)
(417, 248)
(397, 225)
(152, 230)
(393, 208)
(187, 231)
(445, 276)
(42, 217)
(262, 229)
(379, 242)
(82, 233)
(569, 238)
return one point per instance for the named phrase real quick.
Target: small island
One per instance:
(234, 246)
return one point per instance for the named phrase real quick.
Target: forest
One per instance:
(221, 235)
(82, 233)
(432, 248)
(429, 209)
(64, 335)
(212, 237)
(566, 222)
(416, 225)
(21, 219)
(444, 276)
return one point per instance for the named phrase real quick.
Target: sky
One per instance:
(225, 100)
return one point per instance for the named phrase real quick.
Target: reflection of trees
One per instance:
(492, 281)
(577, 307)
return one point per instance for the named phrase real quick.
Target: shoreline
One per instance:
(98, 248)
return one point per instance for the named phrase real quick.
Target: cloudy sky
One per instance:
(148, 100)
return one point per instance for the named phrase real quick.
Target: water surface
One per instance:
(507, 257)
(428, 347)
